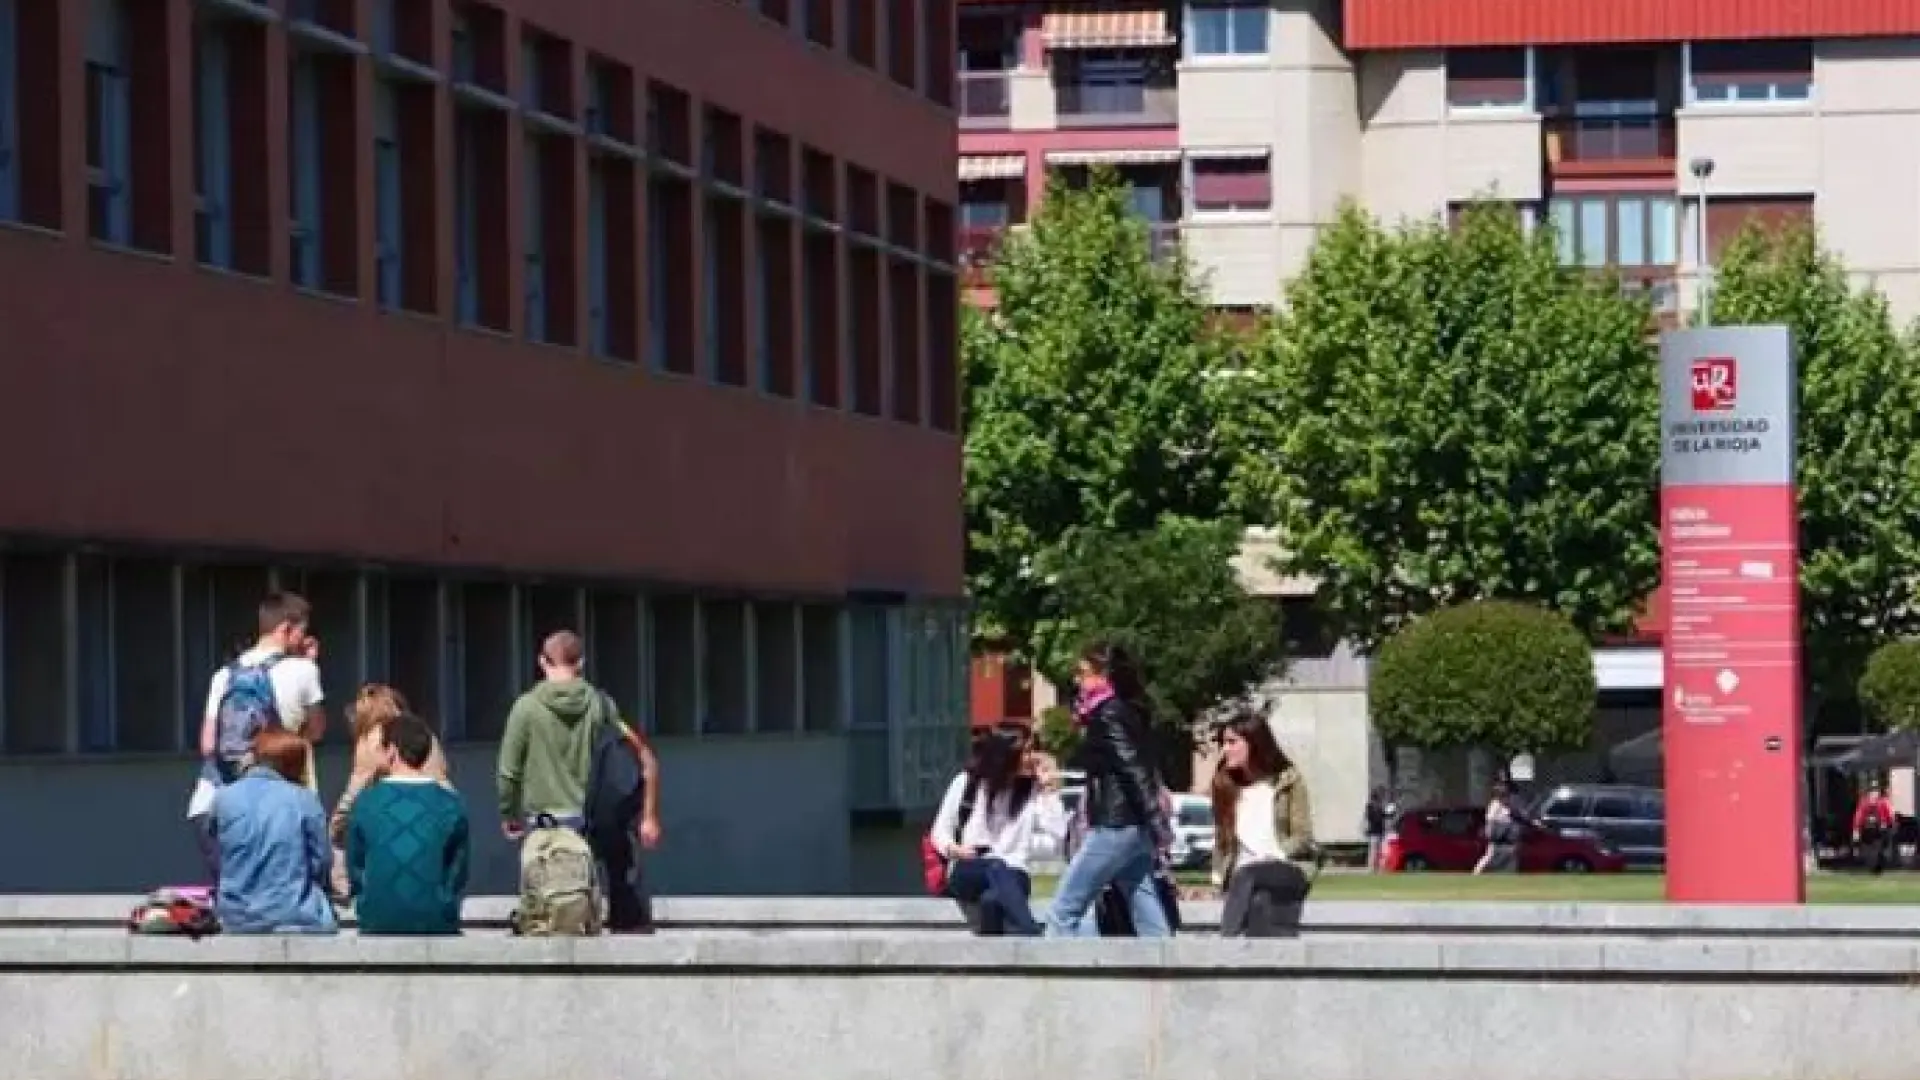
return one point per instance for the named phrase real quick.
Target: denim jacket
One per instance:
(275, 857)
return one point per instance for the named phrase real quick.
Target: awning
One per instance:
(993, 166)
(1136, 156)
(1142, 29)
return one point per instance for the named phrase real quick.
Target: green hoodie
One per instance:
(548, 749)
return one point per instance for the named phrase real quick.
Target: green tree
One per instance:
(1890, 685)
(1057, 733)
(1508, 677)
(1858, 460)
(1088, 402)
(1443, 415)
(1171, 596)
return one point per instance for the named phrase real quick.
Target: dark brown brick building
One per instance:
(471, 319)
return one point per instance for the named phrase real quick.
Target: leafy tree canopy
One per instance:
(1171, 596)
(1509, 677)
(1890, 685)
(1442, 415)
(1858, 460)
(1088, 399)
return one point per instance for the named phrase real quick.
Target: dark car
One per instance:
(1630, 820)
(1453, 838)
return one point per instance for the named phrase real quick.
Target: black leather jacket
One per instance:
(1123, 788)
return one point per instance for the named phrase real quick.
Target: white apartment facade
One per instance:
(1244, 124)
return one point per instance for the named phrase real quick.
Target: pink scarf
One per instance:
(1091, 698)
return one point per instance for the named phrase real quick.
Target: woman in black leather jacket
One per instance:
(1124, 820)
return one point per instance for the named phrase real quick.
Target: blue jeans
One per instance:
(1001, 893)
(1122, 858)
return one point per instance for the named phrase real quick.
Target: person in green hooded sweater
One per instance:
(407, 847)
(546, 755)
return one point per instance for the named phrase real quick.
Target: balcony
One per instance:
(1611, 145)
(978, 246)
(1140, 104)
(986, 100)
(975, 248)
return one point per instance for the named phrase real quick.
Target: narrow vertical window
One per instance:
(389, 240)
(533, 192)
(303, 172)
(212, 149)
(9, 113)
(109, 135)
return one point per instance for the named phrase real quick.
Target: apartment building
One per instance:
(1244, 123)
(470, 321)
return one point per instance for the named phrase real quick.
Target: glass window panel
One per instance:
(1566, 233)
(1631, 215)
(1248, 28)
(1663, 232)
(1593, 232)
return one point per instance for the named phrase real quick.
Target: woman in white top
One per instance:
(1263, 833)
(986, 826)
(1502, 835)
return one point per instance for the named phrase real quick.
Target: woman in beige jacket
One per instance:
(373, 709)
(1263, 850)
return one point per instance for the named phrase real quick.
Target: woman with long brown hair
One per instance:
(373, 710)
(1263, 832)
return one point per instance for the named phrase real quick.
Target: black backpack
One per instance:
(616, 783)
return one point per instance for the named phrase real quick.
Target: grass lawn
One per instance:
(1895, 888)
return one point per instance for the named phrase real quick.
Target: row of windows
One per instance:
(817, 279)
(1207, 187)
(908, 41)
(102, 653)
(989, 38)
(1713, 73)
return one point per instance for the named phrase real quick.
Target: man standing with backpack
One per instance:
(572, 780)
(274, 684)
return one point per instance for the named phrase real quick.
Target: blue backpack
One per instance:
(246, 709)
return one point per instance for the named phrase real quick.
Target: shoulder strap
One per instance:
(967, 799)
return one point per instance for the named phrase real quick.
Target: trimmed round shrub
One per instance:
(1508, 677)
(1890, 685)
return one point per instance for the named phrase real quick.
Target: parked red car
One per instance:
(1452, 839)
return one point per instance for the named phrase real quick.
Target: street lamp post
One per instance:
(1702, 169)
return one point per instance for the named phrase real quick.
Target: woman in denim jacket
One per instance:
(275, 857)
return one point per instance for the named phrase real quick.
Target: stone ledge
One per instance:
(1889, 920)
(693, 952)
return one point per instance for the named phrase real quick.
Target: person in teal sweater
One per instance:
(407, 844)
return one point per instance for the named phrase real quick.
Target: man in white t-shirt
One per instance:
(298, 702)
(295, 675)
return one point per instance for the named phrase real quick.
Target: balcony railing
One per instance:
(1610, 140)
(1116, 104)
(975, 248)
(985, 99)
(978, 246)
(1658, 283)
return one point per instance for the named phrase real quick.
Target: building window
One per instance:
(303, 170)
(109, 127)
(389, 256)
(533, 194)
(1231, 185)
(213, 150)
(466, 215)
(1749, 71)
(597, 336)
(9, 113)
(1628, 232)
(1489, 78)
(1227, 27)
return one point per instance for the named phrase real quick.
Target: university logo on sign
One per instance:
(1716, 383)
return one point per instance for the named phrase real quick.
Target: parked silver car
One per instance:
(1630, 820)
